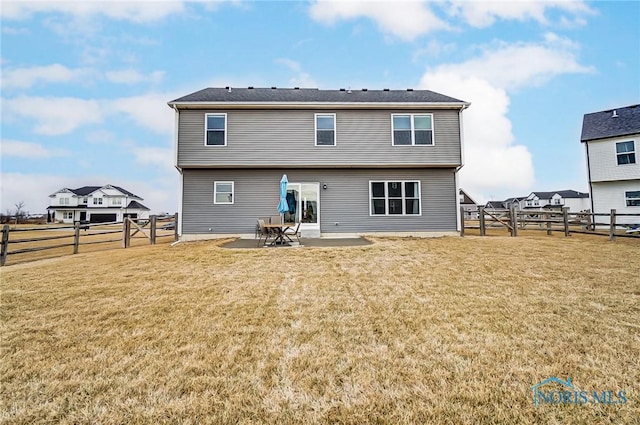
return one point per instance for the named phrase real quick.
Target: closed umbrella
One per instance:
(283, 207)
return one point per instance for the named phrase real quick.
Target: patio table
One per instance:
(280, 229)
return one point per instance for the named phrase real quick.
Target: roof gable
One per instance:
(611, 123)
(466, 199)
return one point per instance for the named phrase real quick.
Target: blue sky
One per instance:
(85, 84)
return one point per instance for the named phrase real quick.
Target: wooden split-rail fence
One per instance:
(551, 221)
(79, 234)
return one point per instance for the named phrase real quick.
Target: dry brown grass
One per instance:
(446, 330)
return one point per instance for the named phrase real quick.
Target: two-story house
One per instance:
(357, 161)
(612, 143)
(558, 199)
(95, 204)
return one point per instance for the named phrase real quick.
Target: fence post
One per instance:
(589, 220)
(462, 221)
(548, 216)
(612, 226)
(152, 236)
(514, 220)
(126, 234)
(5, 244)
(565, 219)
(175, 228)
(481, 217)
(76, 237)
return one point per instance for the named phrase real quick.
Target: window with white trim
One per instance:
(67, 215)
(394, 197)
(116, 201)
(97, 201)
(325, 129)
(626, 152)
(64, 201)
(215, 129)
(412, 129)
(223, 193)
(632, 198)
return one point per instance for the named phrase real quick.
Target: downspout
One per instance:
(175, 147)
(586, 145)
(455, 175)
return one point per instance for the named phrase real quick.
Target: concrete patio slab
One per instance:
(304, 243)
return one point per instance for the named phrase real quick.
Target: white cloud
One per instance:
(22, 78)
(131, 76)
(54, 115)
(494, 162)
(62, 115)
(301, 78)
(138, 11)
(406, 20)
(513, 66)
(484, 13)
(155, 156)
(14, 31)
(29, 150)
(148, 110)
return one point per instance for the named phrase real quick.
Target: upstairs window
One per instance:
(216, 130)
(632, 198)
(412, 129)
(97, 201)
(626, 153)
(395, 198)
(325, 129)
(223, 193)
(64, 201)
(117, 201)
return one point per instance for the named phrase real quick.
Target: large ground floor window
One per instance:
(632, 198)
(394, 197)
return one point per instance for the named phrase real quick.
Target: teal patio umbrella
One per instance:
(283, 207)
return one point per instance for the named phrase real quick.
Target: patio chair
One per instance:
(275, 219)
(294, 232)
(264, 232)
(258, 231)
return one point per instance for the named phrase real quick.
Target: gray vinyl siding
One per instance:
(286, 138)
(345, 201)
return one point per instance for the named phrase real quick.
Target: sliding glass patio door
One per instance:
(304, 205)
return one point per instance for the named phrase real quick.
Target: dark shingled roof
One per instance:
(314, 95)
(563, 193)
(601, 125)
(87, 190)
(466, 198)
(138, 205)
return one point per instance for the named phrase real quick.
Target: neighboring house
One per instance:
(469, 206)
(357, 161)
(518, 202)
(95, 204)
(612, 142)
(574, 200)
(495, 205)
